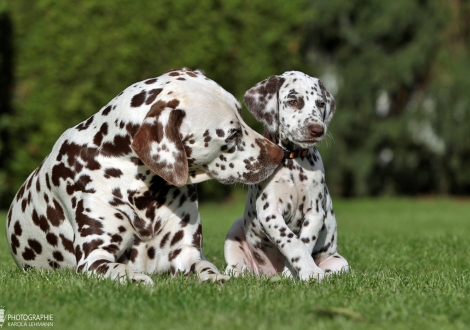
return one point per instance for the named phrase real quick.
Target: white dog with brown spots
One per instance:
(289, 226)
(117, 194)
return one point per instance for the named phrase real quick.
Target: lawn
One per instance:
(410, 270)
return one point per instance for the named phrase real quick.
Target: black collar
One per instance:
(288, 154)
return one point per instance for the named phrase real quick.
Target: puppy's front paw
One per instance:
(317, 274)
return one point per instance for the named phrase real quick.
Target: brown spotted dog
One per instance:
(116, 195)
(289, 226)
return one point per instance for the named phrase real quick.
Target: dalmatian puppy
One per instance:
(289, 225)
(117, 195)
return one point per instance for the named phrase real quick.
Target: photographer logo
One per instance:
(25, 320)
(2, 316)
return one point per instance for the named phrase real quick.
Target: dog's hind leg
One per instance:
(334, 264)
(236, 250)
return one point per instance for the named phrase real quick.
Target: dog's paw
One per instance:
(221, 278)
(124, 273)
(334, 264)
(218, 278)
(141, 278)
(317, 274)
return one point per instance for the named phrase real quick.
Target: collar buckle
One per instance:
(296, 153)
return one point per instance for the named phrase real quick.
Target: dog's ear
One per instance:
(330, 104)
(263, 102)
(158, 142)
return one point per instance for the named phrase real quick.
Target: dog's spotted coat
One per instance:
(116, 195)
(289, 224)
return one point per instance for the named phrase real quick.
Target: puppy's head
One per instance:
(194, 132)
(293, 106)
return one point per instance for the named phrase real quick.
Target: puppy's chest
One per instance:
(299, 178)
(298, 188)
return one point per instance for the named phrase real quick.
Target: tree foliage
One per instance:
(75, 56)
(398, 69)
(402, 70)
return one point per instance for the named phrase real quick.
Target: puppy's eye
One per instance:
(293, 103)
(320, 104)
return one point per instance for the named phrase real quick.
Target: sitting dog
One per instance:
(116, 195)
(289, 225)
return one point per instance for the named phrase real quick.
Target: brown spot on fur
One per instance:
(58, 256)
(164, 239)
(86, 225)
(151, 81)
(138, 99)
(15, 243)
(52, 239)
(112, 172)
(55, 214)
(133, 255)
(153, 95)
(28, 254)
(177, 237)
(98, 138)
(151, 252)
(20, 193)
(60, 171)
(120, 146)
(107, 110)
(197, 238)
(84, 125)
(17, 228)
(40, 221)
(88, 247)
(173, 254)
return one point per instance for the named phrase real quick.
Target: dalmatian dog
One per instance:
(117, 195)
(289, 225)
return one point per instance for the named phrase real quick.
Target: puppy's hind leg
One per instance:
(236, 251)
(334, 264)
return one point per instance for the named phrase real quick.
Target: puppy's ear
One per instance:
(330, 104)
(158, 143)
(263, 102)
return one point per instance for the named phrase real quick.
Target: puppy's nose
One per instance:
(316, 130)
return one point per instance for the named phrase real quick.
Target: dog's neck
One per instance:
(290, 150)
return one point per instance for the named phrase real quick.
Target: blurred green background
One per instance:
(399, 70)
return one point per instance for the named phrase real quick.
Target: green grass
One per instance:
(410, 270)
